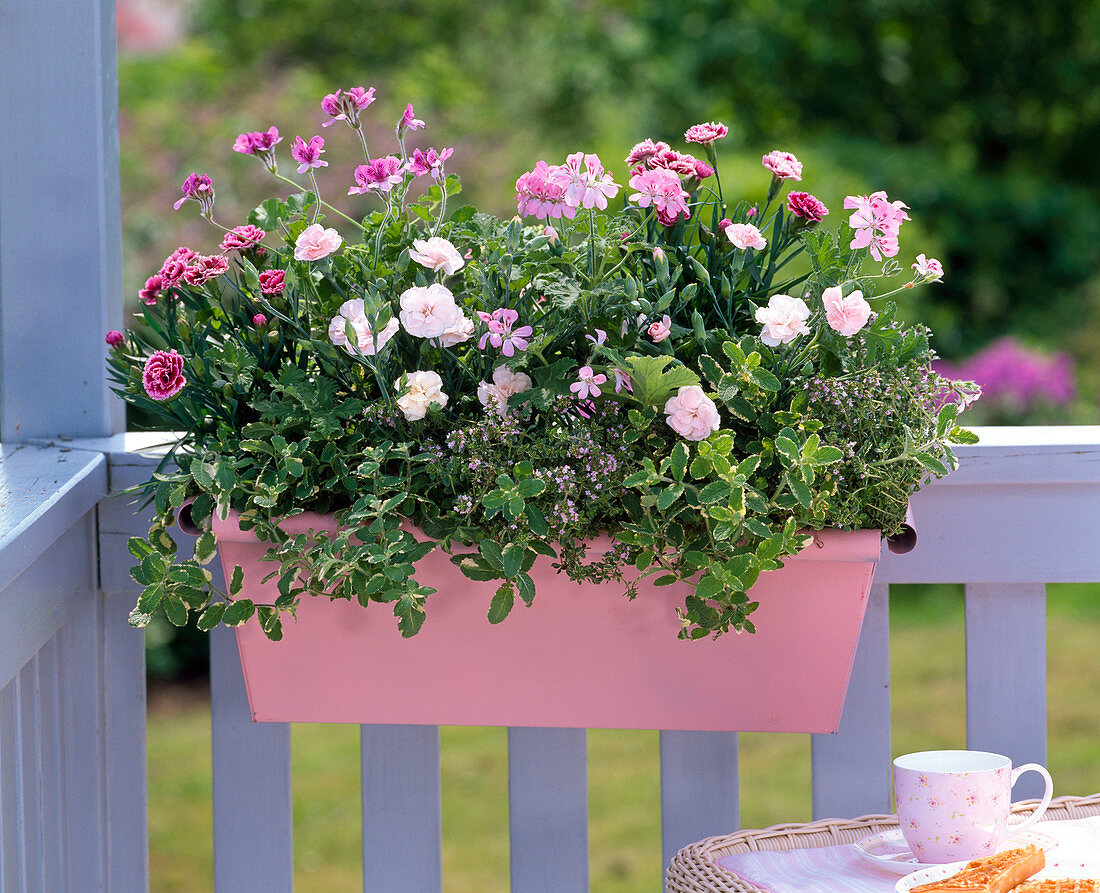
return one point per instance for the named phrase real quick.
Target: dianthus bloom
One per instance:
(501, 334)
(806, 206)
(585, 182)
(163, 375)
(308, 155)
(877, 222)
(929, 268)
(153, 287)
(588, 384)
(505, 384)
(272, 282)
(783, 165)
(540, 194)
(644, 151)
(115, 338)
(659, 331)
(175, 265)
(683, 164)
(421, 390)
(198, 188)
(315, 242)
(380, 175)
(429, 162)
(692, 414)
(660, 188)
(409, 120)
(706, 133)
(353, 313)
(345, 105)
(437, 254)
(243, 238)
(427, 312)
(745, 236)
(845, 314)
(784, 319)
(204, 268)
(461, 330)
(259, 320)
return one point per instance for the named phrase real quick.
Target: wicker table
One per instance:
(693, 869)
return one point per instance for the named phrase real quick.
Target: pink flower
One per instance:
(460, 331)
(784, 319)
(243, 238)
(622, 380)
(380, 175)
(588, 385)
(723, 223)
(436, 254)
(644, 151)
(928, 268)
(751, 212)
(430, 162)
(421, 391)
(505, 384)
(308, 155)
(163, 375)
(585, 182)
(877, 222)
(550, 233)
(272, 282)
(783, 165)
(599, 338)
(501, 334)
(746, 236)
(806, 206)
(153, 287)
(199, 188)
(259, 143)
(353, 313)
(679, 162)
(259, 320)
(172, 272)
(659, 331)
(692, 414)
(115, 338)
(204, 268)
(660, 188)
(345, 105)
(409, 120)
(428, 312)
(846, 315)
(540, 194)
(182, 254)
(706, 133)
(702, 170)
(315, 242)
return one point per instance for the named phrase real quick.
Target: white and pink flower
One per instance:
(783, 165)
(437, 254)
(506, 382)
(588, 383)
(746, 236)
(315, 243)
(585, 182)
(877, 222)
(421, 391)
(928, 268)
(353, 314)
(845, 314)
(428, 311)
(784, 319)
(460, 331)
(706, 133)
(692, 414)
(662, 189)
(661, 329)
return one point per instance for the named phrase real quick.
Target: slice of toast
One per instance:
(1062, 885)
(998, 873)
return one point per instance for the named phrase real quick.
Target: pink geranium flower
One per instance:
(198, 188)
(928, 268)
(877, 222)
(783, 165)
(429, 162)
(692, 414)
(506, 382)
(501, 335)
(806, 206)
(706, 133)
(644, 151)
(746, 236)
(315, 242)
(585, 182)
(154, 285)
(308, 155)
(784, 319)
(163, 375)
(259, 143)
(272, 282)
(662, 189)
(622, 380)
(409, 120)
(845, 314)
(204, 268)
(243, 238)
(379, 175)
(539, 193)
(345, 105)
(588, 384)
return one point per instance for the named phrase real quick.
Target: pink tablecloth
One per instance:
(840, 869)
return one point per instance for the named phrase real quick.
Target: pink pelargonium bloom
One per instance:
(660, 330)
(409, 120)
(345, 105)
(706, 133)
(622, 380)
(258, 142)
(588, 384)
(154, 285)
(429, 162)
(505, 383)
(662, 189)
(599, 338)
(204, 268)
(783, 165)
(115, 338)
(428, 312)
(353, 314)
(308, 155)
(807, 207)
(928, 268)
(644, 151)
(784, 319)
(163, 375)
(315, 242)
(746, 236)
(437, 254)
(692, 414)
(380, 175)
(845, 314)
(272, 282)
(198, 188)
(539, 194)
(501, 335)
(877, 222)
(585, 182)
(243, 238)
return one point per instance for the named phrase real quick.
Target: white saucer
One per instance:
(1053, 869)
(889, 851)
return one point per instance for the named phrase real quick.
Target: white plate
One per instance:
(889, 851)
(1054, 869)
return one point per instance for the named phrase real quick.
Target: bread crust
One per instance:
(1062, 885)
(998, 873)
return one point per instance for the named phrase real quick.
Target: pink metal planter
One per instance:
(582, 656)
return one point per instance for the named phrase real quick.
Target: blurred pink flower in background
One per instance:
(1016, 380)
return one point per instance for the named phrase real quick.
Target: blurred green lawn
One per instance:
(928, 666)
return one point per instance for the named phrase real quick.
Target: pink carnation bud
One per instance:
(259, 320)
(724, 222)
(751, 212)
(115, 338)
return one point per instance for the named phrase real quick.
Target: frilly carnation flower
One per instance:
(429, 162)
(315, 242)
(585, 182)
(784, 319)
(427, 312)
(783, 165)
(421, 390)
(172, 272)
(662, 189)
(203, 268)
(198, 188)
(706, 133)
(501, 335)
(746, 236)
(353, 313)
(409, 120)
(308, 155)
(182, 254)
(259, 320)
(540, 194)
(660, 330)
(806, 206)
(845, 314)
(505, 384)
(115, 338)
(272, 282)
(243, 238)
(154, 285)
(692, 414)
(460, 331)
(877, 222)
(588, 383)
(436, 254)
(644, 151)
(702, 170)
(928, 268)
(163, 375)
(380, 175)
(670, 159)
(345, 105)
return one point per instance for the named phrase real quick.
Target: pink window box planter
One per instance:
(581, 656)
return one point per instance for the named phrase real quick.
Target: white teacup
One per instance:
(954, 804)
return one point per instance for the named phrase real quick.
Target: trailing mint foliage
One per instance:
(642, 386)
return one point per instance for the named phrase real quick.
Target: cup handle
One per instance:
(1042, 807)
